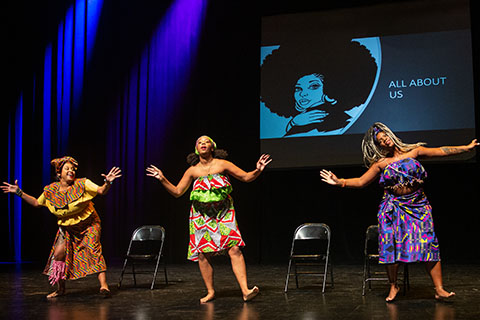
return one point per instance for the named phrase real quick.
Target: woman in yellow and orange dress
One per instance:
(76, 251)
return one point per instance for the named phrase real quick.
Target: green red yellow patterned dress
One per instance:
(213, 227)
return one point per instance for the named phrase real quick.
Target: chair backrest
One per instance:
(152, 232)
(311, 238)
(312, 231)
(372, 232)
(147, 240)
(371, 240)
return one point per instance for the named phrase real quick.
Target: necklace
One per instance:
(207, 168)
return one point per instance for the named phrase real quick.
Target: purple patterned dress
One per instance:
(405, 222)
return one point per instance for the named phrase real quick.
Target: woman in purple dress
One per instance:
(406, 232)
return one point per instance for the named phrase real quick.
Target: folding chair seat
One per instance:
(371, 257)
(145, 247)
(310, 252)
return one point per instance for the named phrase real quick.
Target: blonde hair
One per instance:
(372, 152)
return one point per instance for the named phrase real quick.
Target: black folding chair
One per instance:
(371, 257)
(145, 246)
(315, 255)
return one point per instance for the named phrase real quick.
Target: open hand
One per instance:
(263, 161)
(329, 177)
(153, 171)
(472, 144)
(114, 173)
(7, 187)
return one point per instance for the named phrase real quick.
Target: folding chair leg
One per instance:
(165, 271)
(406, 279)
(331, 274)
(155, 274)
(133, 272)
(121, 274)
(296, 275)
(288, 275)
(369, 275)
(325, 274)
(364, 276)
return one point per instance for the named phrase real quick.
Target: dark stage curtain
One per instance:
(146, 122)
(39, 124)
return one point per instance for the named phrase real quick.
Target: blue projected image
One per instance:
(315, 91)
(426, 83)
(327, 76)
(345, 91)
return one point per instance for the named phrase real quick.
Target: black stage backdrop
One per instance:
(221, 100)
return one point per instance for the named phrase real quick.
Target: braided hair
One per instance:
(371, 149)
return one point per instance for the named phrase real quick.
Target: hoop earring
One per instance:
(330, 100)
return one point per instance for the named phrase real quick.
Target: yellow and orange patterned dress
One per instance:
(79, 229)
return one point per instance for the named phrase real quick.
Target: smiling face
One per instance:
(204, 145)
(384, 140)
(309, 91)
(68, 173)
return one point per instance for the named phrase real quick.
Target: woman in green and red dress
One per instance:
(213, 226)
(76, 251)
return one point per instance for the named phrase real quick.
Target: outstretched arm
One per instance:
(241, 175)
(446, 150)
(114, 173)
(176, 191)
(368, 177)
(14, 188)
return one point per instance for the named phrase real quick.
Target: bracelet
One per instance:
(19, 192)
(290, 125)
(344, 183)
(107, 182)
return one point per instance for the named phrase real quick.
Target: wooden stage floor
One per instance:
(24, 289)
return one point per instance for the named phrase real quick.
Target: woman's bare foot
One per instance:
(251, 294)
(443, 295)
(105, 292)
(209, 297)
(394, 289)
(56, 293)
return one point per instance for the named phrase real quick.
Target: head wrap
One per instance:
(376, 131)
(59, 162)
(211, 140)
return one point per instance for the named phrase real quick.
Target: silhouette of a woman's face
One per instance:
(309, 92)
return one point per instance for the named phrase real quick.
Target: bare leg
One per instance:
(434, 269)
(104, 290)
(240, 271)
(102, 278)
(206, 270)
(59, 255)
(392, 270)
